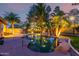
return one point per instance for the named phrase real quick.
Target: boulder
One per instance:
(63, 47)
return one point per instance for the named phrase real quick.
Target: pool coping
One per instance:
(69, 42)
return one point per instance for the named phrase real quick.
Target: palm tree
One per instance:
(12, 18)
(57, 12)
(59, 24)
(39, 9)
(39, 12)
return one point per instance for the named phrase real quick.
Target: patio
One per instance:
(18, 47)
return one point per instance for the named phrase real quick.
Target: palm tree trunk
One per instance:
(56, 41)
(12, 27)
(56, 37)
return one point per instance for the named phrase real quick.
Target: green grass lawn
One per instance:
(75, 42)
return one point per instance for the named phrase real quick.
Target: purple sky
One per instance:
(23, 8)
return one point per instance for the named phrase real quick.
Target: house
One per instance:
(2, 23)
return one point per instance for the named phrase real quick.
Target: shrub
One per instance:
(77, 29)
(1, 41)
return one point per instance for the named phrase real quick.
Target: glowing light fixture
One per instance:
(72, 18)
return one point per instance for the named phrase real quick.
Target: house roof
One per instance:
(3, 21)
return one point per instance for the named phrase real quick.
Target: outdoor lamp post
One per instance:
(73, 18)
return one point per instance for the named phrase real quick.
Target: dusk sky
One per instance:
(22, 8)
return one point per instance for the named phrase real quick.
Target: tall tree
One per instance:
(74, 12)
(38, 10)
(59, 24)
(58, 12)
(75, 20)
(12, 18)
(39, 13)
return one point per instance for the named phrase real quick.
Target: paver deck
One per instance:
(18, 47)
